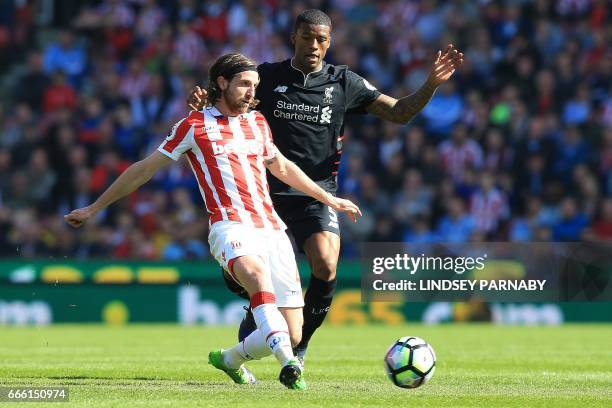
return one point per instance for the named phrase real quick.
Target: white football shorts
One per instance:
(229, 240)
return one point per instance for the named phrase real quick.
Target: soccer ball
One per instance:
(410, 362)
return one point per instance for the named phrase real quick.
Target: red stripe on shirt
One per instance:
(256, 169)
(209, 200)
(243, 190)
(216, 178)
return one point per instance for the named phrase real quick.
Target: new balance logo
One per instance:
(281, 89)
(326, 113)
(238, 147)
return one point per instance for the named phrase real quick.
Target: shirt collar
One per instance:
(310, 75)
(214, 111)
(217, 114)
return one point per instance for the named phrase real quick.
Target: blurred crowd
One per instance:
(516, 147)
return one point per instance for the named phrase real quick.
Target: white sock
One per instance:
(272, 326)
(253, 347)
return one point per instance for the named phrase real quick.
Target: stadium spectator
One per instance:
(5, 168)
(41, 179)
(32, 83)
(443, 111)
(497, 155)
(571, 222)
(572, 150)
(524, 228)
(414, 199)
(420, 232)
(459, 153)
(184, 246)
(601, 229)
(457, 225)
(488, 205)
(65, 56)
(59, 95)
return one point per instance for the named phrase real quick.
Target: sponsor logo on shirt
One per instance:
(213, 128)
(303, 112)
(326, 113)
(250, 147)
(280, 89)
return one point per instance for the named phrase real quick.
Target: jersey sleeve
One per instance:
(180, 139)
(359, 93)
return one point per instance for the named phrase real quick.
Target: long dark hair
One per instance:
(227, 66)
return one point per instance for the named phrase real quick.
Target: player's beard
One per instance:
(236, 104)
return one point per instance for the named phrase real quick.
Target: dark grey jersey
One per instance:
(306, 115)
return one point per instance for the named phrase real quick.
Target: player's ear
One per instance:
(222, 83)
(293, 34)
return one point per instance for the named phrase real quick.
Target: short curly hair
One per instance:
(313, 16)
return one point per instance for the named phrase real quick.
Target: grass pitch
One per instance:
(155, 365)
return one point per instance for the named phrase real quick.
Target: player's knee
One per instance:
(251, 274)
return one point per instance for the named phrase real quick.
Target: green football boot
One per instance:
(239, 375)
(291, 375)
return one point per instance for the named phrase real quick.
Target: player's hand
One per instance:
(79, 216)
(445, 64)
(347, 206)
(197, 98)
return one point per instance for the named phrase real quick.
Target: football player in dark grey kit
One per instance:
(305, 101)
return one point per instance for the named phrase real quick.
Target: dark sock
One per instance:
(247, 325)
(317, 301)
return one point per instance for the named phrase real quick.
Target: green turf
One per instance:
(478, 365)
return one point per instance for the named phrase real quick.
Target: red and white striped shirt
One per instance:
(488, 209)
(455, 159)
(227, 157)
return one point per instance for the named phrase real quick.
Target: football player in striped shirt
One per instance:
(229, 147)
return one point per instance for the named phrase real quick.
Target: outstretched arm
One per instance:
(135, 176)
(404, 109)
(290, 174)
